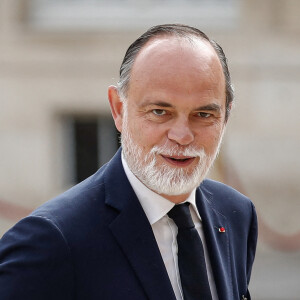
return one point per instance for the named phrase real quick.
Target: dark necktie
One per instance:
(191, 260)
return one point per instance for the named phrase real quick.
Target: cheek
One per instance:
(148, 135)
(209, 138)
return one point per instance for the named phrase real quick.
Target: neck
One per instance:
(176, 198)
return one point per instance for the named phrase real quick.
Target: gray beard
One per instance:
(164, 179)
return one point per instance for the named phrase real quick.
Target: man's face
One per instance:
(174, 116)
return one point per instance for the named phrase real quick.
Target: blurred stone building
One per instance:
(57, 59)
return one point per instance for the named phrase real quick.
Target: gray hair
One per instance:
(179, 30)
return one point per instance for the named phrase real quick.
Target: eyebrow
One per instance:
(160, 103)
(208, 107)
(212, 107)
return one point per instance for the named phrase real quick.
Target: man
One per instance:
(117, 235)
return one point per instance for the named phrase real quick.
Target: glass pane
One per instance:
(86, 148)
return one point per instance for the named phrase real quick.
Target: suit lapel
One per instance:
(134, 234)
(217, 243)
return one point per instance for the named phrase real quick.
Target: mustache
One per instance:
(177, 150)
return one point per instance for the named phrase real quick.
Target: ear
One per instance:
(116, 106)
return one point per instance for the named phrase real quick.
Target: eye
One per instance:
(159, 112)
(204, 114)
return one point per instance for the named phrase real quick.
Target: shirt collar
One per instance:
(154, 205)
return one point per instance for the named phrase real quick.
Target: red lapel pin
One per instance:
(222, 229)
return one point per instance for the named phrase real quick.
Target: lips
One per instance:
(179, 161)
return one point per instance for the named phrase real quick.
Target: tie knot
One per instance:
(181, 215)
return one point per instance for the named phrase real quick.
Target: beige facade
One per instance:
(50, 74)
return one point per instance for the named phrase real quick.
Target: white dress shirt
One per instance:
(156, 208)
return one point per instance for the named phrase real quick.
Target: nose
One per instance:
(181, 133)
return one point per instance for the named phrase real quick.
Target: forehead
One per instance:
(176, 52)
(177, 65)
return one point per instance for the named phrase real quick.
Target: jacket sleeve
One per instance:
(35, 262)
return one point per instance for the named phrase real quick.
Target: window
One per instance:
(128, 14)
(92, 141)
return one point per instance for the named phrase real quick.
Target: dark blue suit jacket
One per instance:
(95, 242)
